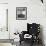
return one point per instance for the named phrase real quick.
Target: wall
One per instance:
(35, 13)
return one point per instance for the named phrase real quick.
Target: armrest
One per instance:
(24, 32)
(22, 35)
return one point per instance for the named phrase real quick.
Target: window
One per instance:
(3, 17)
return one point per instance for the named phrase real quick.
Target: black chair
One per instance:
(32, 29)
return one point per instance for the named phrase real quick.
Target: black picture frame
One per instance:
(21, 13)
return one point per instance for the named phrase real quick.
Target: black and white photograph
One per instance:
(21, 13)
(22, 22)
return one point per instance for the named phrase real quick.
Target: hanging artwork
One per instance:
(21, 13)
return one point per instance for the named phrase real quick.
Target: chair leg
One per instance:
(20, 42)
(32, 42)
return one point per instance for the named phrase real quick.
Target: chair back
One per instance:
(33, 29)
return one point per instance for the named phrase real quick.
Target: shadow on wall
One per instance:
(41, 34)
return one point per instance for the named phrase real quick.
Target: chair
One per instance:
(33, 30)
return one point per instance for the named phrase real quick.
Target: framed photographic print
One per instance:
(21, 13)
